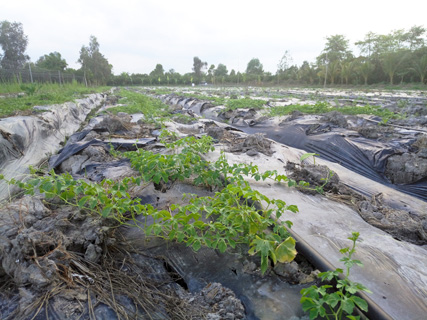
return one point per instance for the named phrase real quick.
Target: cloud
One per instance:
(136, 35)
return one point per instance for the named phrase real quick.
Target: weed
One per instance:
(324, 107)
(154, 110)
(245, 103)
(308, 155)
(232, 214)
(41, 95)
(342, 300)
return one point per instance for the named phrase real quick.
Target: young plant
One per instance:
(334, 303)
(306, 185)
(308, 155)
(218, 222)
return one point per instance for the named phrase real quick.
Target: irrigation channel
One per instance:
(60, 263)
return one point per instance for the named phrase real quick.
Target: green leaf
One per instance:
(222, 246)
(197, 245)
(307, 155)
(83, 201)
(93, 203)
(292, 208)
(264, 264)
(285, 252)
(361, 303)
(347, 305)
(332, 299)
(106, 211)
(261, 245)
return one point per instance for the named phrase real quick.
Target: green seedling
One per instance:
(308, 155)
(229, 217)
(335, 302)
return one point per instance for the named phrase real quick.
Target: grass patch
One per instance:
(152, 109)
(183, 118)
(160, 91)
(245, 103)
(39, 95)
(217, 101)
(324, 107)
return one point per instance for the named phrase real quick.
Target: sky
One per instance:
(136, 35)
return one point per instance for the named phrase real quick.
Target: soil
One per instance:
(60, 261)
(57, 260)
(400, 224)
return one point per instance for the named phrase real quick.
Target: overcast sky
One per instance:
(135, 35)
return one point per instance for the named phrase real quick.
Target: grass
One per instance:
(324, 107)
(217, 101)
(153, 109)
(39, 94)
(245, 103)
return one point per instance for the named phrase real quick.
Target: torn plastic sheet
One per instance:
(264, 297)
(28, 140)
(361, 155)
(393, 270)
(77, 144)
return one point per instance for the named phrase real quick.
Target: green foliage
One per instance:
(221, 71)
(324, 107)
(217, 101)
(198, 67)
(14, 42)
(153, 109)
(178, 166)
(231, 219)
(109, 199)
(94, 64)
(254, 67)
(308, 155)
(40, 95)
(52, 61)
(235, 214)
(245, 103)
(328, 302)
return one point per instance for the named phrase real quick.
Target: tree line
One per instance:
(397, 57)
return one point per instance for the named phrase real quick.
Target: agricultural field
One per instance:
(218, 203)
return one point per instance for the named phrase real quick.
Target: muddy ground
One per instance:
(58, 261)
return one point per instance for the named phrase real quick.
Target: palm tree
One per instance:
(391, 61)
(420, 67)
(334, 70)
(365, 69)
(347, 68)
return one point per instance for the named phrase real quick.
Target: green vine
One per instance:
(229, 217)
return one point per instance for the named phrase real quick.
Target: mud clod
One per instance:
(254, 144)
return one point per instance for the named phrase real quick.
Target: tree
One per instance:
(94, 64)
(365, 68)
(307, 72)
(158, 71)
(283, 65)
(198, 67)
(336, 49)
(414, 37)
(391, 61)
(334, 70)
(13, 42)
(221, 70)
(211, 73)
(367, 46)
(254, 67)
(52, 61)
(347, 69)
(420, 67)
